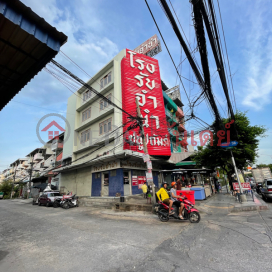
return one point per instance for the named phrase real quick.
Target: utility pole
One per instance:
(145, 146)
(13, 181)
(236, 172)
(30, 175)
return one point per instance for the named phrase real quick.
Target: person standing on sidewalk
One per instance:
(178, 184)
(144, 189)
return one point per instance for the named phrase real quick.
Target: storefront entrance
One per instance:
(127, 183)
(105, 184)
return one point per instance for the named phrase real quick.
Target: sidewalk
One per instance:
(227, 201)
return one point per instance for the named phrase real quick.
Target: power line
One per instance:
(227, 54)
(168, 50)
(90, 88)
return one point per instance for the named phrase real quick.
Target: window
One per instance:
(105, 126)
(269, 182)
(85, 136)
(104, 103)
(86, 114)
(105, 80)
(97, 175)
(87, 95)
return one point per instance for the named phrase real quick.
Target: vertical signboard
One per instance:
(141, 80)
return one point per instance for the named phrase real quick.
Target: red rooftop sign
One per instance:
(141, 79)
(151, 47)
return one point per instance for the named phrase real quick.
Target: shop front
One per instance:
(120, 178)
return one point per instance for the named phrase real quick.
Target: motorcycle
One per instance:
(189, 212)
(70, 202)
(258, 188)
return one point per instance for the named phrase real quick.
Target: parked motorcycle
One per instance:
(70, 202)
(189, 212)
(258, 187)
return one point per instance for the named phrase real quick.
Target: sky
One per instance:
(97, 30)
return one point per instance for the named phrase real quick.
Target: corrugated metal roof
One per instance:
(27, 44)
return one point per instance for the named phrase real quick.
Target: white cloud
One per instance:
(87, 45)
(256, 36)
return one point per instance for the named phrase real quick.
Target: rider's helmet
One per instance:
(173, 183)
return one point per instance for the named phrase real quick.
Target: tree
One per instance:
(6, 187)
(245, 153)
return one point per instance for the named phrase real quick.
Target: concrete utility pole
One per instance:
(13, 182)
(243, 198)
(30, 176)
(145, 147)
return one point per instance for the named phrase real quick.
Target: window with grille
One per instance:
(87, 95)
(105, 126)
(105, 80)
(86, 114)
(104, 103)
(85, 136)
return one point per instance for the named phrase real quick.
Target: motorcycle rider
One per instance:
(175, 200)
(163, 196)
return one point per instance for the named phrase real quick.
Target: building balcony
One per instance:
(87, 103)
(55, 145)
(38, 157)
(25, 164)
(179, 113)
(49, 162)
(181, 128)
(104, 113)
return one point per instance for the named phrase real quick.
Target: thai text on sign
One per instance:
(245, 185)
(141, 80)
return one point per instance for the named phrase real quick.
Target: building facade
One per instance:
(96, 159)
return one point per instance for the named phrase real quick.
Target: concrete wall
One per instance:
(70, 117)
(78, 181)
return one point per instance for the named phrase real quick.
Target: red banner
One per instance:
(245, 185)
(141, 181)
(141, 79)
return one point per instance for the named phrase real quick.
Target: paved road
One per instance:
(48, 239)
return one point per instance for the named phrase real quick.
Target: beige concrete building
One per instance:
(94, 161)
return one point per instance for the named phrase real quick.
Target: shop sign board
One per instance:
(149, 177)
(106, 166)
(149, 164)
(134, 181)
(150, 48)
(245, 185)
(141, 180)
(146, 157)
(137, 165)
(141, 79)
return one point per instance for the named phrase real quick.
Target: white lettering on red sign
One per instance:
(141, 80)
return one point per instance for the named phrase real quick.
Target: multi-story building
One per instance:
(96, 161)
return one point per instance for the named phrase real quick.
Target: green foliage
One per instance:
(245, 153)
(6, 187)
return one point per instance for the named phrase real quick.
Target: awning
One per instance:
(27, 44)
(186, 163)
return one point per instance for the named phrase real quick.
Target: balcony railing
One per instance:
(49, 162)
(38, 157)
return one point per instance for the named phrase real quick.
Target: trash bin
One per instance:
(189, 194)
(199, 193)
